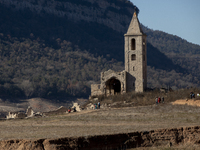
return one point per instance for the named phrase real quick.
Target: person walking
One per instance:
(69, 110)
(156, 100)
(99, 105)
(191, 95)
(95, 106)
(162, 99)
(159, 99)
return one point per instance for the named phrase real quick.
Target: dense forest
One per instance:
(50, 56)
(29, 68)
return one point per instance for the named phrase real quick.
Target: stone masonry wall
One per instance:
(121, 76)
(137, 72)
(95, 89)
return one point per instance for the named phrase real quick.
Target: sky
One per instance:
(177, 17)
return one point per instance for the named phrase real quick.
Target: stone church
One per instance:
(134, 77)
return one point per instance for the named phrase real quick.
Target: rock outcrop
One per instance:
(108, 13)
(161, 137)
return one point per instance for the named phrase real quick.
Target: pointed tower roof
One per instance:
(134, 27)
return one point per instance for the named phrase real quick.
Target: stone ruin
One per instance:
(30, 113)
(13, 115)
(20, 115)
(90, 106)
(78, 108)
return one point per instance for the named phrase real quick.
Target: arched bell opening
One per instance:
(113, 86)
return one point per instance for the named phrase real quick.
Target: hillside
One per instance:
(56, 49)
(181, 52)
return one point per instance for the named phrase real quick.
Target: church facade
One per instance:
(134, 77)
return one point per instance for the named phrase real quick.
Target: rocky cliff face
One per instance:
(114, 14)
(162, 137)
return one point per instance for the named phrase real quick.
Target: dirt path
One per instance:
(190, 102)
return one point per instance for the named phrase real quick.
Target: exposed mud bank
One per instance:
(162, 137)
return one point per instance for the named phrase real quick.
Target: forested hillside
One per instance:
(29, 68)
(182, 53)
(56, 49)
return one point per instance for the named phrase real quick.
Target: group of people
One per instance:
(69, 109)
(97, 105)
(159, 100)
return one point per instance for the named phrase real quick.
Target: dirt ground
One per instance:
(178, 147)
(102, 121)
(190, 102)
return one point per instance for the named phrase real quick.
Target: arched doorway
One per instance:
(113, 86)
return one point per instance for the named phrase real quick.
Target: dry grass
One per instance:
(104, 121)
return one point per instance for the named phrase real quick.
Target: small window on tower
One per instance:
(144, 48)
(143, 41)
(133, 44)
(133, 68)
(133, 57)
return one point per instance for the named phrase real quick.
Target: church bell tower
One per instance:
(135, 57)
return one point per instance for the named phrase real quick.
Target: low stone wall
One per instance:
(162, 137)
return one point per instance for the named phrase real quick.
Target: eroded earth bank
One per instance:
(162, 137)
